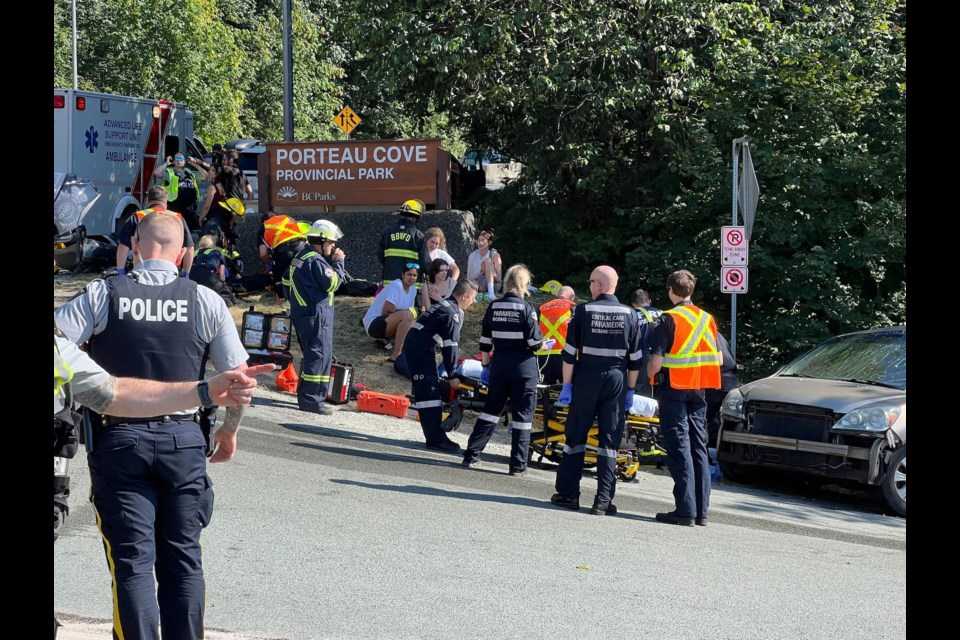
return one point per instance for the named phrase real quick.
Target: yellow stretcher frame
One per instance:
(641, 446)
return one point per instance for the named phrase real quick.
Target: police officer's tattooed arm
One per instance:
(136, 398)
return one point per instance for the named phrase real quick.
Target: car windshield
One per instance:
(876, 357)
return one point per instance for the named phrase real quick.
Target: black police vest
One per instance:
(151, 331)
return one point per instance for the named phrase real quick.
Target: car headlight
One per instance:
(872, 417)
(732, 406)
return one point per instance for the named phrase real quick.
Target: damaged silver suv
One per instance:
(839, 411)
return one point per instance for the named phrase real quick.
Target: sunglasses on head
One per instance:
(412, 265)
(179, 158)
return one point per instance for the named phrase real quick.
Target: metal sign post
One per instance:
(734, 240)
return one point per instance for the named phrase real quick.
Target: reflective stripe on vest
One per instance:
(401, 253)
(555, 327)
(693, 359)
(646, 314)
(295, 264)
(144, 212)
(173, 189)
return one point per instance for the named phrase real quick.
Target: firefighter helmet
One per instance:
(413, 208)
(234, 205)
(324, 230)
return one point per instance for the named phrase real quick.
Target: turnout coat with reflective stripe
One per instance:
(693, 358)
(603, 334)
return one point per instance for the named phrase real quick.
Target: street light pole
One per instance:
(75, 44)
(287, 73)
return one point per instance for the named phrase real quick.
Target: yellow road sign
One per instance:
(347, 120)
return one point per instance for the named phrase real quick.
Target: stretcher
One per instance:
(642, 444)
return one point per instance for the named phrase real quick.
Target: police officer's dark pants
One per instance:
(644, 388)
(514, 377)
(602, 394)
(315, 334)
(152, 496)
(683, 421)
(426, 394)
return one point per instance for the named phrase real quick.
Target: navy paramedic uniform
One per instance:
(438, 327)
(510, 329)
(606, 336)
(205, 272)
(400, 244)
(648, 317)
(150, 490)
(311, 282)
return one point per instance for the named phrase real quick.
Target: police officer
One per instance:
(555, 318)
(685, 346)
(403, 243)
(313, 277)
(601, 362)
(438, 327)
(181, 184)
(150, 490)
(648, 316)
(156, 201)
(510, 330)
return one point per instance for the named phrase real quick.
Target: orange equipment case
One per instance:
(383, 403)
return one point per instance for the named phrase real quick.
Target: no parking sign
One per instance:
(733, 279)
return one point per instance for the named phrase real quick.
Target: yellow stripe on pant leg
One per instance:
(117, 628)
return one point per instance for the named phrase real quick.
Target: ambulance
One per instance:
(116, 142)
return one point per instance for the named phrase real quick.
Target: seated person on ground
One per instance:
(437, 246)
(484, 266)
(394, 310)
(440, 283)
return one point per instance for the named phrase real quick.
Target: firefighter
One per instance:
(149, 484)
(510, 331)
(601, 363)
(284, 239)
(403, 243)
(314, 275)
(555, 317)
(440, 326)
(685, 347)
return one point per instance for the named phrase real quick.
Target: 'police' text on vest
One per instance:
(154, 310)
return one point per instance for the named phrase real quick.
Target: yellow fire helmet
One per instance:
(413, 208)
(304, 227)
(553, 287)
(234, 205)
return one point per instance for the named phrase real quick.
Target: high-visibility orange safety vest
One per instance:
(693, 359)
(554, 319)
(280, 229)
(143, 212)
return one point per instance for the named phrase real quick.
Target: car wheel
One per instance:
(895, 482)
(737, 473)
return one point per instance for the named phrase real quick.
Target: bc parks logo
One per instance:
(91, 136)
(287, 193)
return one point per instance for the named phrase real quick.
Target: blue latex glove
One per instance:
(121, 271)
(485, 375)
(566, 395)
(442, 371)
(629, 405)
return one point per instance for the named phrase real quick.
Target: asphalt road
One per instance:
(346, 527)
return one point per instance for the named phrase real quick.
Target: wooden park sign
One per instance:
(308, 176)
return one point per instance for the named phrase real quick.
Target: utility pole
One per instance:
(287, 72)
